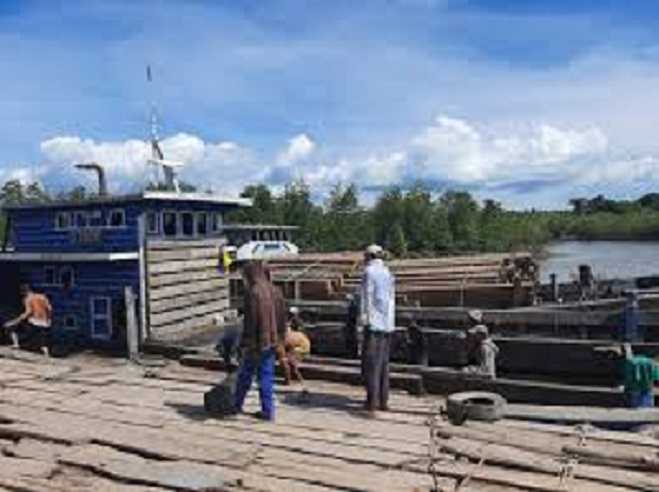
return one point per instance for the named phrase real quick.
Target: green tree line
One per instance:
(414, 221)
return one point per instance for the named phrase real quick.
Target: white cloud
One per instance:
(300, 147)
(458, 151)
(450, 151)
(23, 173)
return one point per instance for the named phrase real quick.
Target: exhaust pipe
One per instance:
(102, 183)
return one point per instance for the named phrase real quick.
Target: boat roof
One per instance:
(258, 227)
(146, 196)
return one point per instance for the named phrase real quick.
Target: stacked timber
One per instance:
(494, 281)
(185, 291)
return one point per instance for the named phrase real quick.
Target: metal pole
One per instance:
(144, 321)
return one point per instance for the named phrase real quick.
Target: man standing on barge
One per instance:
(378, 312)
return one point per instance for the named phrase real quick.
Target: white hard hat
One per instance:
(374, 249)
(294, 310)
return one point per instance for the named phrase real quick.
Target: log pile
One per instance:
(494, 280)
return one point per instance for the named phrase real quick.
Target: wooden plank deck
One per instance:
(89, 423)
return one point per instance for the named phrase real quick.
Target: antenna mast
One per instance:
(157, 156)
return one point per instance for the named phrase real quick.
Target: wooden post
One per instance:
(144, 321)
(554, 288)
(132, 330)
(631, 316)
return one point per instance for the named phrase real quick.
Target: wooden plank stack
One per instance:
(185, 290)
(494, 280)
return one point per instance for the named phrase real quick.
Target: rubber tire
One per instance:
(475, 405)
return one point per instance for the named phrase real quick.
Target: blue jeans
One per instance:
(640, 399)
(264, 365)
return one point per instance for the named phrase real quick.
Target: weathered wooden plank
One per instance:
(187, 300)
(215, 284)
(156, 245)
(163, 318)
(179, 475)
(513, 457)
(160, 256)
(180, 277)
(183, 329)
(181, 266)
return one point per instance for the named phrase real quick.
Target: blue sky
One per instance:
(528, 102)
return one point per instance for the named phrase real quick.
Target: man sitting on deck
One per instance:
(36, 317)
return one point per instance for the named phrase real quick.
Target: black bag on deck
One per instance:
(219, 400)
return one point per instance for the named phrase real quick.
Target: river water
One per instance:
(609, 259)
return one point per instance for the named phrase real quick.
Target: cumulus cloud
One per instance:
(458, 151)
(223, 166)
(448, 152)
(292, 162)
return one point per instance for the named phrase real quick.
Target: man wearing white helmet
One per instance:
(377, 313)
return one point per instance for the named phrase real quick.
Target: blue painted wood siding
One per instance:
(104, 279)
(34, 230)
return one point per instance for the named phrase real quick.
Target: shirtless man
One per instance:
(37, 315)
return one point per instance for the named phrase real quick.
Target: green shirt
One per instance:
(640, 373)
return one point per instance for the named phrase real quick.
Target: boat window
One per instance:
(218, 220)
(187, 224)
(153, 223)
(66, 277)
(170, 224)
(117, 218)
(95, 218)
(63, 220)
(81, 219)
(49, 276)
(202, 224)
(271, 247)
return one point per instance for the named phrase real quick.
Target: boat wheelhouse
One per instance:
(163, 246)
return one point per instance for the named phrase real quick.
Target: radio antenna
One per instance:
(157, 159)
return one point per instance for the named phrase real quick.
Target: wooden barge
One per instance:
(101, 424)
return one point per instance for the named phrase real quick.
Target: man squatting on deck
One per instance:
(37, 318)
(378, 309)
(264, 324)
(482, 351)
(292, 349)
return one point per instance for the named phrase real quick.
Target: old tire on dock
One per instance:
(475, 405)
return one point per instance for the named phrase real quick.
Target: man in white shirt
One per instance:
(378, 312)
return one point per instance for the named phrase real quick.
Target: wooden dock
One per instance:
(104, 424)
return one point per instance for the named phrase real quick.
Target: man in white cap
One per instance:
(377, 315)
